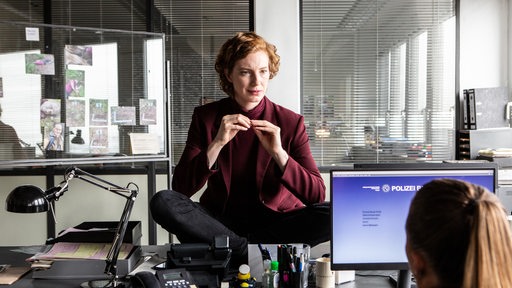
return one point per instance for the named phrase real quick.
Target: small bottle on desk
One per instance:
(266, 277)
(274, 272)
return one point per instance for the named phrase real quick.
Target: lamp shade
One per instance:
(27, 199)
(78, 138)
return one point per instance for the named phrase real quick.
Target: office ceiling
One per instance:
(189, 17)
(220, 18)
(195, 18)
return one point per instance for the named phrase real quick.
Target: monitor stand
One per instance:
(404, 279)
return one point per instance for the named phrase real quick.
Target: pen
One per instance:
(292, 263)
(265, 254)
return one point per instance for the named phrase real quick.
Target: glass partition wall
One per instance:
(378, 80)
(71, 94)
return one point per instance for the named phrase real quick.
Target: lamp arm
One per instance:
(113, 254)
(76, 172)
(54, 193)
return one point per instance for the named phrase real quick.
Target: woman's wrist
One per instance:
(213, 152)
(281, 159)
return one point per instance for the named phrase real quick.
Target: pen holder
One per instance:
(293, 265)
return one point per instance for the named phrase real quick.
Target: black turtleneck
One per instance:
(243, 198)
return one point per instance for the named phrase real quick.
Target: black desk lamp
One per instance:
(78, 138)
(32, 199)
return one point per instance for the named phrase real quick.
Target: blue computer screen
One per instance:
(369, 207)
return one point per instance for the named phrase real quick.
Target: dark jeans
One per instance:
(191, 223)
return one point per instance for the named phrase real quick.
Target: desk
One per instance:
(11, 255)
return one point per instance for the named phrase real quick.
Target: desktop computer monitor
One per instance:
(370, 203)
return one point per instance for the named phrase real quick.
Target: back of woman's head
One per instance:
(463, 233)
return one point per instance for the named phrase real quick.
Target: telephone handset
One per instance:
(166, 278)
(189, 265)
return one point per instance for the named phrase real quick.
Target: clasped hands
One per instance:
(268, 134)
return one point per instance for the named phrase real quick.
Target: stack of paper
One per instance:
(66, 260)
(68, 250)
(499, 152)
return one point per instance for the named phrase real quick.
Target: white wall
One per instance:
(18, 228)
(278, 23)
(509, 59)
(483, 43)
(83, 202)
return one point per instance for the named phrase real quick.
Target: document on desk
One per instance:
(68, 250)
(10, 274)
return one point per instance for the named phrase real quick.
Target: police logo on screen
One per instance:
(400, 188)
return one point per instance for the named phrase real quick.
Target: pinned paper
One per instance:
(144, 143)
(31, 34)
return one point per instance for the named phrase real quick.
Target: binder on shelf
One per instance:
(465, 109)
(471, 109)
(485, 108)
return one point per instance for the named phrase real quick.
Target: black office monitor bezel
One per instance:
(400, 167)
(468, 165)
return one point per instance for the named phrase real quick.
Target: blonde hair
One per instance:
(463, 231)
(238, 47)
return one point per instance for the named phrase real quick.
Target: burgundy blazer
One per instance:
(300, 184)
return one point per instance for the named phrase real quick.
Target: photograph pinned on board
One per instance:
(122, 115)
(78, 55)
(75, 112)
(147, 111)
(99, 140)
(42, 64)
(54, 138)
(98, 112)
(75, 83)
(49, 112)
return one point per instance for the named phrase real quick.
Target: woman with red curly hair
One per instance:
(262, 183)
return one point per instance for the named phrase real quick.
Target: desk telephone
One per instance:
(189, 265)
(167, 278)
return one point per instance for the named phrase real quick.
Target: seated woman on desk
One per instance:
(458, 236)
(263, 185)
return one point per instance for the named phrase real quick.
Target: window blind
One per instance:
(378, 80)
(198, 30)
